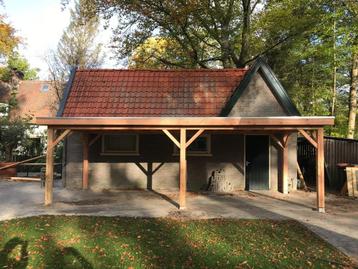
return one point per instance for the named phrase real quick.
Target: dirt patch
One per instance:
(342, 204)
(186, 215)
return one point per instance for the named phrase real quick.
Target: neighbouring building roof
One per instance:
(164, 93)
(36, 98)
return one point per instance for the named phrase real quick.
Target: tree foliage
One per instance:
(155, 52)
(14, 130)
(8, 39)
(316, 68)
(210, 33)
(16, 62)
(77, 47)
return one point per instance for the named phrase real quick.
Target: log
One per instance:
(300, 176)
(31, 179)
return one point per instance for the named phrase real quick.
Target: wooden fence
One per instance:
(336, 150)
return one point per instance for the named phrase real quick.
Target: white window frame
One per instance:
(120, 152)
(196, 153)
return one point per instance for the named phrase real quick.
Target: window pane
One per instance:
(45, 88)
(116, 143)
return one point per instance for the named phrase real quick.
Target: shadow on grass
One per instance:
(20, 260)
(69, 256)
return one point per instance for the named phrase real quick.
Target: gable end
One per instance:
(261, 67)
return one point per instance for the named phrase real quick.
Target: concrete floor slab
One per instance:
(339, 225)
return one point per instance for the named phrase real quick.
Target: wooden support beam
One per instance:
(94, 139)
(182, 170)
(85, 147)
(49, 167)
(320, 171)
(308, 137)
(195, 136)
(21, 162)
(60, 137)
(285, 138)
(149, 172)
(285, 164)
(278, 141)
(172, 138)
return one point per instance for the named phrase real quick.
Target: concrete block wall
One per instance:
(133, 172)
(72, 171)
(155, 150)
(292, 162)
(257, 101)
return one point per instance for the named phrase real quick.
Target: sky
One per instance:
(40, 23)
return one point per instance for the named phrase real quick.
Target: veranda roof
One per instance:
(277, 123)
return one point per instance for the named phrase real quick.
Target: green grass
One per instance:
(113, 242)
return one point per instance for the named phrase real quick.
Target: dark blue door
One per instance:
(257, 162)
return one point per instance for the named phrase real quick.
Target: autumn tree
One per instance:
(13, 129)
(155, 52)
(8, 43)
(210, 33)
(8, 39)
(18, 63)
(78, 47)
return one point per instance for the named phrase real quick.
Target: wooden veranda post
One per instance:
(85, 148)
(49, 167)
(182, 170)
(320, 170)
(183, 144)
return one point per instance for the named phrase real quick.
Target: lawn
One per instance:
(113, 242)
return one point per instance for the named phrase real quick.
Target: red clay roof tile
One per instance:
(131, 93)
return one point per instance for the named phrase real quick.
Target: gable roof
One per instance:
(163, 93)
(144, 93)
(261, 67)
(36, 98)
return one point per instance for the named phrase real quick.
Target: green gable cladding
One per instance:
(261, 68)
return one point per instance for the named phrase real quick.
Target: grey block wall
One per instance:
(72, 175)
(156, 150)
(292, 162)
(257, 101)
(131, 172)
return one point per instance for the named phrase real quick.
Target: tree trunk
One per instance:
(334, 83)
(8, 153)
(245, 35)
(353, 97)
